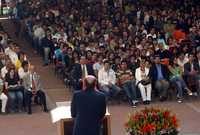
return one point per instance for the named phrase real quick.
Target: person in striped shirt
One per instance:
(126, 81)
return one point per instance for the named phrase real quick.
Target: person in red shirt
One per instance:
(179, 35)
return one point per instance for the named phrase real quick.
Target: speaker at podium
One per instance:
(61, 116)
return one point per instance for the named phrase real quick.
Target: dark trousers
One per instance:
(18, 27)
(76, 84)
(40, 94)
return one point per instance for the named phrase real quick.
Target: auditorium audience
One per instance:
(117, 31)
(80, 34)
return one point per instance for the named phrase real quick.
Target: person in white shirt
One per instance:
(142, 80)
(182, 59)
(23, 71)
(107, 80)
(98, 65)
(39, 34)
(10, 52)
(152, 34)
(4, 70)
(3, 98)
(198, 75)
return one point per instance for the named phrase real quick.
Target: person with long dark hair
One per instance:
(15, 90)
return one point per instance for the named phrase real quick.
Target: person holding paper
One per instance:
(88, 108)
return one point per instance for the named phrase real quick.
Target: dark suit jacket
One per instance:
(47, 43)
(154, 73)
(164, 54)
(187, 68)
(88, 108)
(77, 71)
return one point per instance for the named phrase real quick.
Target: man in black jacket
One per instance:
(159, 74)
(191, 71)
(88, 107)
(48, 47)
(80, 71)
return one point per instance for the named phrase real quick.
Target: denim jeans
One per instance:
(46, 55)
(162, 87)
(180, 85)
(110, 91)
(130, 89)
(16, 100)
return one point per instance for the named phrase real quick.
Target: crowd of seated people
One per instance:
(18, 80)
(149, 46)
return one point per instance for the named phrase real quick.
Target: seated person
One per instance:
(191, 70)
(6, 67)
(80, 71)
(23, 70)
(15, 90)
(198, 75)
(126, 81)
(143, 82)
(159, 76)
(177, 79)
(3, 98)
(32, 86)
(107, 80)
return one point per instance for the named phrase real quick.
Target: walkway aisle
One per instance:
(53, 86)
(39, 123)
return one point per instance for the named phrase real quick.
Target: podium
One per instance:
(62, 117)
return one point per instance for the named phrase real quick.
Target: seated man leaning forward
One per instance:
(126, 81)
(32, 85)
(107, 80)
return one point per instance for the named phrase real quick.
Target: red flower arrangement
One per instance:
(151, 121)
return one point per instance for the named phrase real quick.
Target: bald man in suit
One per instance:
(88, 108)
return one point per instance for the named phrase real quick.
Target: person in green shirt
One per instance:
(3, 98)
(177, 80)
